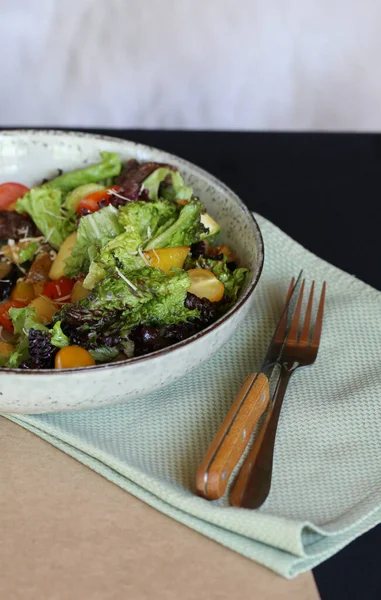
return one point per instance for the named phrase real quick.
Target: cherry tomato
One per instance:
(73, 356)
(204, 284)
(9, 193)
(87, 205)
(59, 290)
(95, 201)
(5, 319)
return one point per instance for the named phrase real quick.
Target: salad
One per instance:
(105, 263)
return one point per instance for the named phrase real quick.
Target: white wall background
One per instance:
(239, 64)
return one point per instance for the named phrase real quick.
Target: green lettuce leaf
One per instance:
(104, 353)
(23, 319)
(123, 289)
(139, 220)
(44, 206)
(128, 348)
(176, 191)
(94, 231)
(186, 230)
(233, 282)
(15, 359)
(122, 300)
(110, 166)
(58, 338)
(28, 252)
(166, 305)
(107, 183)
(165, 310)
(96, 273)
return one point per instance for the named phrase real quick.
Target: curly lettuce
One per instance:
(138, 221)
(27, 252)
(185, 231)
(45, 207)
(176, 190)
(59, 339)
(124, 299)
(94, 231)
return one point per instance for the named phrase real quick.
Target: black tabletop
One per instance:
(325, 191)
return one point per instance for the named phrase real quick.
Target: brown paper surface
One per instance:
(67, 533)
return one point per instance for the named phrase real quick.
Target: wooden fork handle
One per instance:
(252, 484)
(232, 437)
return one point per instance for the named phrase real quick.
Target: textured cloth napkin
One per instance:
(326, 486)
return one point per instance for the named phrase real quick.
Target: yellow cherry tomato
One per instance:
(167, 258)
(224, 250)
(73, 356)
(204, 284)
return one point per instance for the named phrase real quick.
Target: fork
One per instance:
(253, 482)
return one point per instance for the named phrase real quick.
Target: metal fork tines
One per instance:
(301, 346)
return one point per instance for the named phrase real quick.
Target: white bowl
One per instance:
(29, 156)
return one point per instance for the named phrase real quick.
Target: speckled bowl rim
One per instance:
(198, 170)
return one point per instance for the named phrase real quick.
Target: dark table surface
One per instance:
(324, 190)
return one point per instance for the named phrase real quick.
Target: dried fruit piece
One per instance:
(23, 292)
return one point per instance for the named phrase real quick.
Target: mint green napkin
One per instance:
(327, 479)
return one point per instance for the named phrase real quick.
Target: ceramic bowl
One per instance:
(29, 156)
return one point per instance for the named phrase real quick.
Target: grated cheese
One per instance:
(156, 254)
(114, 193)
(21, 269)
(33, 239)
(55, 216)
(126, 280)
(141, 253)
(23, 231)
(49, 234)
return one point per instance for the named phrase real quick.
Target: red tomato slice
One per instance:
(95, 201)
(9, 193)
(87, 205)
(5, 319)
(59, 290)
